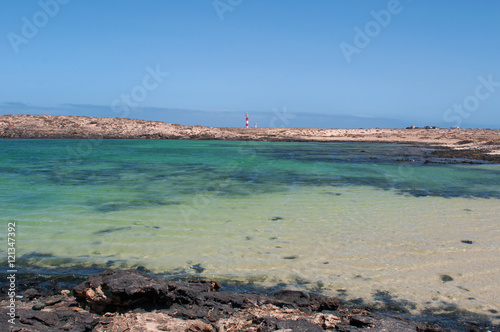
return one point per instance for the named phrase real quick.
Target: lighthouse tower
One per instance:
(247, 121)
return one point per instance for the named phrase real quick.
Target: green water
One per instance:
(343, 219)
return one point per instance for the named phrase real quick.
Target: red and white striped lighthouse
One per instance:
(247, 121)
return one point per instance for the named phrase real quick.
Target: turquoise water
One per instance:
(343, 219)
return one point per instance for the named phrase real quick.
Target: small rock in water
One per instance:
(467, 241)
(290, 257)
(446, 278)
(197, 268)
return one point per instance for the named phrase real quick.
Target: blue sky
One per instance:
(323, 63)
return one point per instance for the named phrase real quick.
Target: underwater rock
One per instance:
(446, 278)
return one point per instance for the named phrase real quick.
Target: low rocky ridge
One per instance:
(475, 144)
(130, 300)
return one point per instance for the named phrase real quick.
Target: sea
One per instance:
(352, 220)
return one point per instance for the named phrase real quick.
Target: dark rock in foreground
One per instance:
(130, 300)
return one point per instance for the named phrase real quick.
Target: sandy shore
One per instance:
(478, 144)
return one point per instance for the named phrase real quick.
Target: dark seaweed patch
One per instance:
(35, 258)
(197, 268)
(111, 230)
(119, 205)
(108, 207)
(36, 255)
(385, 300)
(417, 192)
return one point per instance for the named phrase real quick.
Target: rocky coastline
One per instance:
(448, 145)
(131, 300)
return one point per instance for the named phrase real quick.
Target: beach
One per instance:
(259, 229)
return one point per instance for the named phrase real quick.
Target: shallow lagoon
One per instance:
(343, 219)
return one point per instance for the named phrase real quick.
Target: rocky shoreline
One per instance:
(130, 300)
(449, 145)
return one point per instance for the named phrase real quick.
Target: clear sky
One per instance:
(322, 63)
